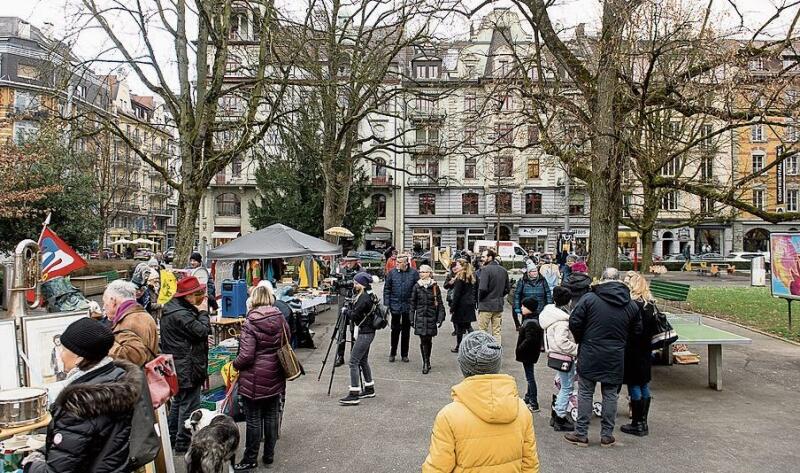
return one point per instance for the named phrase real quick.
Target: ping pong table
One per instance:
(692, 331)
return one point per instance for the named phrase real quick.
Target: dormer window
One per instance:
(427, 69)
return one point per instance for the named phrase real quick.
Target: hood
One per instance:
(87, 399)
(577, 281)
(177, 304)
(260, 313)
(614, 293)
(491, 397)
(550, 315)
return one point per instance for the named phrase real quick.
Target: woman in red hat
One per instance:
(185, 327)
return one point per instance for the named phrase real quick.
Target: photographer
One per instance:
(361, 316)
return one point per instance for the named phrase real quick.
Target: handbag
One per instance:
(162, 379)
(664, 335)
(558, 361)
(380, 319)
(288, 359)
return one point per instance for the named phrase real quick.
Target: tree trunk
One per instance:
(650, 208)
(646, 258)
(335, 205)
(604, 220)
(188, 210)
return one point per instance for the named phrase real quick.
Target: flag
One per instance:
(58, 259)
(169, 285)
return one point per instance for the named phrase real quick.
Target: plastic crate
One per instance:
(212, 399)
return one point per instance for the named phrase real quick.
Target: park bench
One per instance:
(670, 291)
(692, 331)
(112, 275)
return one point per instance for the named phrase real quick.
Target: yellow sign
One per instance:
(169, 284)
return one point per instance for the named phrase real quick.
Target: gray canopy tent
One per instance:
(274, 241)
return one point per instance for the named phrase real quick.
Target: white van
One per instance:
(507, 251)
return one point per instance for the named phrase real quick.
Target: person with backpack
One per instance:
(462, 300)
(529, 347)
(554, 320)
(427, 311)
(578, 282)
(532, 285)
(362, 316)
(90, 429)
(638, 356)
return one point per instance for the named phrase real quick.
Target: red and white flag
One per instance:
(58, 259)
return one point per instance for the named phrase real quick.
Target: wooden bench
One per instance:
(670, 291)
(112, 275)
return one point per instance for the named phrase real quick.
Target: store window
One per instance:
(379, 205)
(502, 204)
(228, 205)
(427, 204)
(469, 203)
(423, 239)
(756, 239)
(533, 203)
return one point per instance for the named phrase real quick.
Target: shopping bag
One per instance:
(232, 404)
(162, 379)
(292, 368)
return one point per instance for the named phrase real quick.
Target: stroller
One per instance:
(572, 402)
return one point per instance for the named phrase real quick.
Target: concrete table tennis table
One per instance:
(692, 331)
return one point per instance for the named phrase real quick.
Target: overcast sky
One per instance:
(63, 14)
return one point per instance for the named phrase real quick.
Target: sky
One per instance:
(87, 41)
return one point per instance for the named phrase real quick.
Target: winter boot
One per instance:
(636, 427)
(645, 413)
(553, 416)
(369, 391)
(351, 399)
(563, 424)
(426, 360)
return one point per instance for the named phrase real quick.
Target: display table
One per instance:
(12, 431)
(220, 325)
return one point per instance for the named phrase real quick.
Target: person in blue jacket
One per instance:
(397, 297)
(534, 285)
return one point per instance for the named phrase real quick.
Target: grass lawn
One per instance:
(752, 306)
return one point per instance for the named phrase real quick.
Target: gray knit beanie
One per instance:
(479, 353)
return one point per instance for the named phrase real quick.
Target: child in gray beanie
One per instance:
(479, 353)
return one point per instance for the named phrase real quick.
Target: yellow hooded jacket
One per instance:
(486, 429)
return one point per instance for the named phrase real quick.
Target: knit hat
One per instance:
(153, 263)
(580, 267)
(531, 304)
(530, 266)
(425, 269)
(363, 278)
(196, 256)
(479, 353)
(88, 338)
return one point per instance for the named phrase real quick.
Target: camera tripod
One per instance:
(339, 336)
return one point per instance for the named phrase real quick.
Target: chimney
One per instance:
(580, 31)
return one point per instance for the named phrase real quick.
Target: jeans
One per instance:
(637, 392)
(262, 418)
(493, 319)
(461, 329)
(359, 360)
(531, 397)
(585, 401)
(562, 400)
(401, 331)
(183, 404)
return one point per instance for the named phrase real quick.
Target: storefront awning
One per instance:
(225, 235)
(627, 234)
(378, 236)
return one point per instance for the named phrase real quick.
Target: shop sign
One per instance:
(581, 233)
(532, 232)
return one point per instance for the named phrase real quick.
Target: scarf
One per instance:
(426, 283)
(54, 389)
(122, 308)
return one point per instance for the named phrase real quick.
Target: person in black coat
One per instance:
(602, 322)
(638, 356)
(462, 299)
(529, 347)
(185, 327)
(91, 417)
(578, 282)
(427, 312)
(361, 316)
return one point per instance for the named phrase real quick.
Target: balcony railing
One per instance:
(423, 181)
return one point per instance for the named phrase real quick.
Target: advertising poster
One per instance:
(785, 265)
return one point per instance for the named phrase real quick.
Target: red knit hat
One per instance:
(580, 267)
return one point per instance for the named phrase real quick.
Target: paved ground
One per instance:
(747, 427)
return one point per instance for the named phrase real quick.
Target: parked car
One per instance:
(711, 257)
(746, 255)
(169, 255)
(142, 253)
(105, 253)
(367, 255)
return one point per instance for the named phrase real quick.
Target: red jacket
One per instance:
(260, 372)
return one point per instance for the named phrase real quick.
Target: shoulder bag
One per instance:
(558, 361)
(292, 368)
(664, 335)
(162, 379)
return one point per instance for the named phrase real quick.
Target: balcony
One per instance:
(382, 181)
(36, 112)
(424, 181)
(427, 148)
(427, 114)
(124, 161)
(161, 211)
(132, 185)
(227, 220)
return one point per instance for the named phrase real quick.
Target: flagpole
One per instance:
(44, 226)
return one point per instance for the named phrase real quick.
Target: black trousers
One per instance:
(461, 329)
(182, 405)
(425, 346)
(401, 331)
(261, 417)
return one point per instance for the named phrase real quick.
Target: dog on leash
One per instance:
(215, 438)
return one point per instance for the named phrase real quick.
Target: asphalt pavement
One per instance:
(750, 426)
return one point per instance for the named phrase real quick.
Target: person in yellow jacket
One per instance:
(487, 428)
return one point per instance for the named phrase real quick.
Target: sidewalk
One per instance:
(745, 428)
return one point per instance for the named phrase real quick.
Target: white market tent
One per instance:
(275, 241)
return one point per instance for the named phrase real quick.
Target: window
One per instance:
(757, 133)
(427, 204)
(533, 134)
(505, 133)
(425, 105)
(533, 168)
(236, 166)
(427, 168)
(669, 201)
(705, 133)
(25, 71)
(791, 133)
(758, 162)
(25, 101)
(576, 209)
(706, 168)
(24, 131)
(470, 168)
(706, 205)
(232, 64)
(758, 199)
(791, 165)
(791, 200)
(470, 103)
(379, 205)
(672, 167)
(228, 205)
(421, 71)
(504, 166)
(379, 169)
(533, 203)
(239, 26)
(469, 203)
(80, 91)
(470, 135)
(507, 103)
(427, 71)
(502, 203)
(503, 67)
(427, 135)
(433, 72)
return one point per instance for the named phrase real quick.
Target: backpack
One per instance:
(379, 314)
(145, 441)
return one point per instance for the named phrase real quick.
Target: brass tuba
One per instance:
(27, 276)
